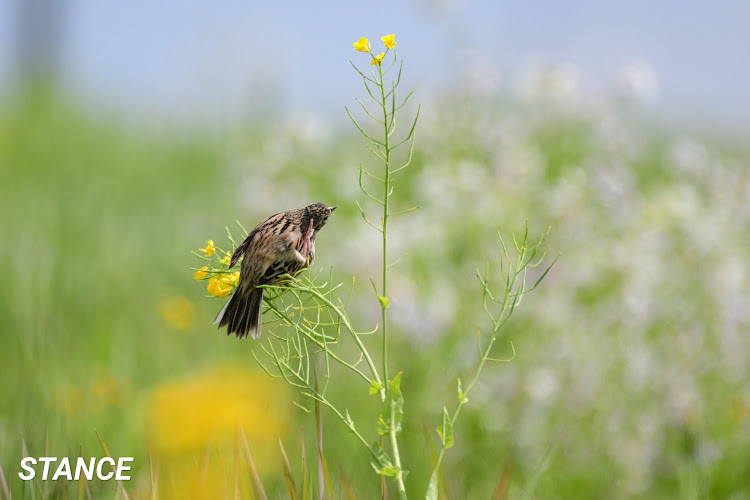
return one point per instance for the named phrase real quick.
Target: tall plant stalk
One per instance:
(383, 149)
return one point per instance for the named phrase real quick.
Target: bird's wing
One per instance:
(268, 226)
(240, 250)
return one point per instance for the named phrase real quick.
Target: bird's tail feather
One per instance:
(242, 315)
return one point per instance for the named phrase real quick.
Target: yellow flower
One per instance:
(217, 287)
(363, 45)
(226, 260)
(209, 250)
(201, 273)
(389, 41)
(231, 278)
(377, 60)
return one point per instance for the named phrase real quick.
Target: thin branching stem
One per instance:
(318, 340)
(514, 289)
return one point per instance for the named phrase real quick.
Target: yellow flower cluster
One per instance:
(218, 287)
(363, 45)
(220, 281)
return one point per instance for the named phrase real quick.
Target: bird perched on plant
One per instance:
(284, 243)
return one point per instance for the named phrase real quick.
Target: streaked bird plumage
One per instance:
(284, 243)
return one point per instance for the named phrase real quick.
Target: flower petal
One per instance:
(201, 273)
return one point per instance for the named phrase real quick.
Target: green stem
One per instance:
(384, 291)
(387, 185)
(461, 403)
(319, 397)
(496, 326)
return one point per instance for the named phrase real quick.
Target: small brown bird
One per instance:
(284, 243)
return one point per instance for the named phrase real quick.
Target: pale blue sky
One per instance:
(229, 58)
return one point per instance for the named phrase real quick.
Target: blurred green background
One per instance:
(632, 374)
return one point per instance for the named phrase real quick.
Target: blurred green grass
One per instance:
(633, 357)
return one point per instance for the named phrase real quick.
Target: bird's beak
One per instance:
(331, 208)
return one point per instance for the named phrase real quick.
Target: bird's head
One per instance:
(319, 213)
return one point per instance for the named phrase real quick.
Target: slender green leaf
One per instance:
(445, 429)
(288, 475)
(380, 461)
(326, 474)
(392, 412)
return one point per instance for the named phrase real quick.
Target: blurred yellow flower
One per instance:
(202, 416)
(209, 250)
(377, 60)
(226, 260)
(363, 45)
(201, 273)
(389, 41)
(217, 287)
(177, 312)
